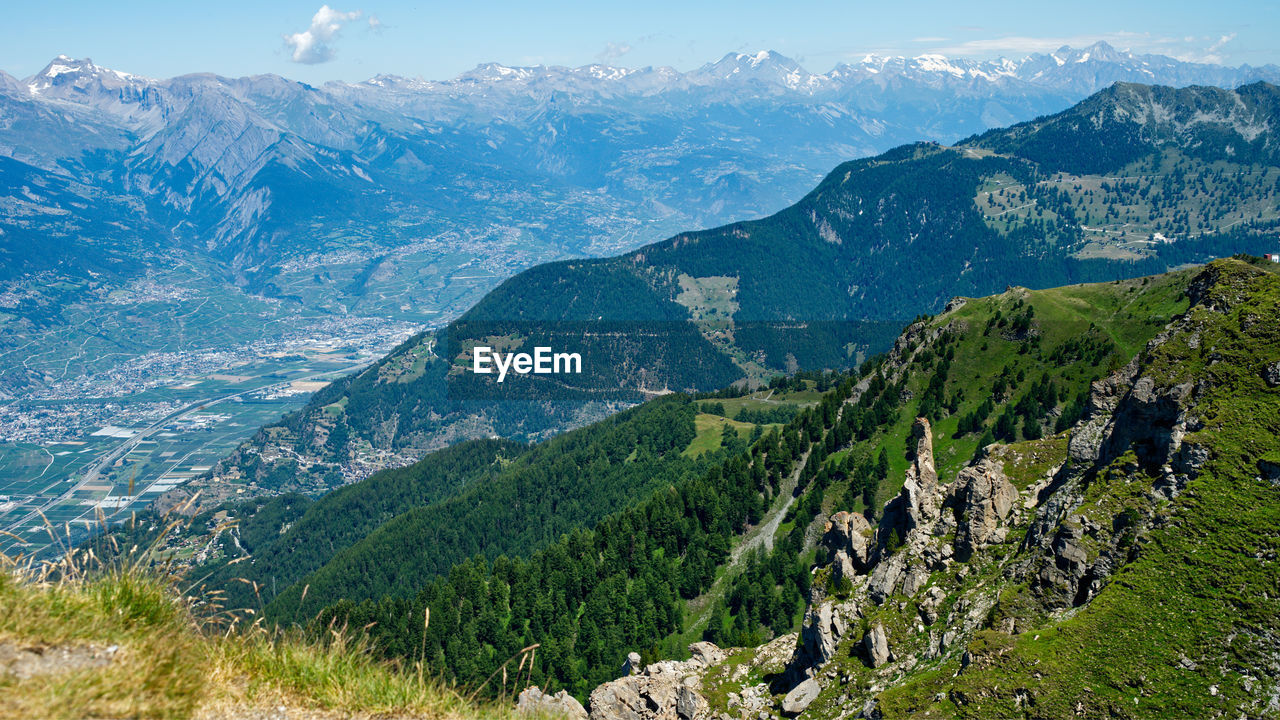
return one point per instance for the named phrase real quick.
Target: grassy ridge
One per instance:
(124, 643)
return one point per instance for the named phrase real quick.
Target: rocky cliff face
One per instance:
(944, 605)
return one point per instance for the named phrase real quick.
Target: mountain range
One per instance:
(1134, 180)
(980, 522)
(977, 429)
(408, 199)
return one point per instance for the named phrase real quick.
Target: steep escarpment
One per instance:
(1125, 567)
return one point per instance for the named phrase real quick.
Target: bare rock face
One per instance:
(667, 690)
(921, 486)
(982, 498)
(823, 628)
(843, 570)
(919, 504)
(876, 646)
(887, 577)
(632, 664)
(1059, 580)
(618, 700)
(800, 697)
(533, 701)
(1087, 438)
(850, 534)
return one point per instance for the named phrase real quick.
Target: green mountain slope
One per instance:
(1121, 568)
(340, 519)
(724, 555)
(395, 531)
(1133, 181)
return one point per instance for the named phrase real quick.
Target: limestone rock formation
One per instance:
(1058, 581)
(667, 690)
(823, 628)
(800, 697)
(849, 538)
(982, 498)
(921, 484)
(876, 646)
(533, 701)
(919, 503)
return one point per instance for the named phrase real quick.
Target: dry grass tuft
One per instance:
(81, 637)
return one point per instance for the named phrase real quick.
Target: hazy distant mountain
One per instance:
(406, 198)
(1111, 188)
(234, 166)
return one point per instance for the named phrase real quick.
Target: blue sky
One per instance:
(356, 39)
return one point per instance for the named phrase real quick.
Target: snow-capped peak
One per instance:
(937, 64)
(64, 71)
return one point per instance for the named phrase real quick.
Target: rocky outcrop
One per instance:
(886, 577)
(921, 485)
(875, 646)
(824, 625)
(1059, 579)
(667, 690)
(535, 702)
(894, 601)
(919, 503)
(849, 538)
(800, 697)
(982, 499)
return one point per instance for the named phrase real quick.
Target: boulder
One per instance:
(631, 666)
(706, 654)
(876, 646)
(533, 701)
(800, 697)
(617, 700)
(982, 498)
(664, 690)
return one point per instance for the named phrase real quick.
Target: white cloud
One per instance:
(613, 51)
(1212, 54)
(375, 24)
(315, 44)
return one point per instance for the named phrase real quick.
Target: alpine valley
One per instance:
(1134, 180)
(976, 429)
(1031, 493)
(185, 260)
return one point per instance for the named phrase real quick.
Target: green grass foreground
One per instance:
(127, 643)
